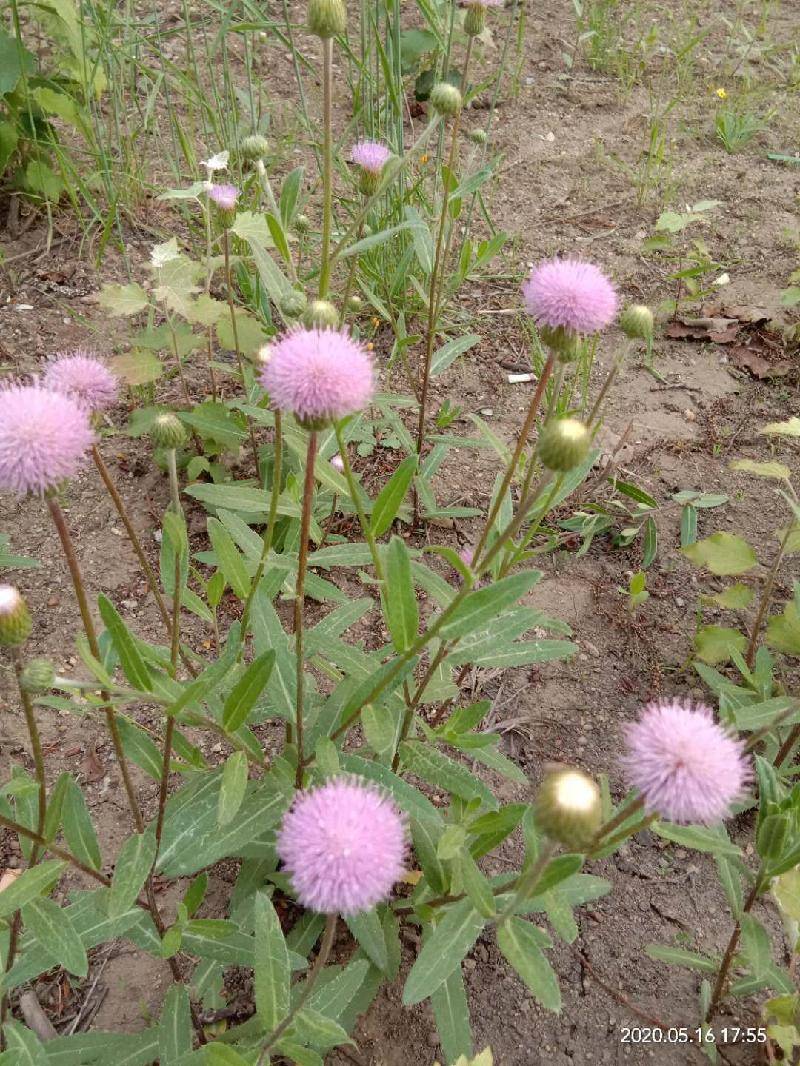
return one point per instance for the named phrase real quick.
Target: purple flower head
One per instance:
(84, 377)
(344, 846)
(224, 196)
(337, 463)
(571, 294)
(43, 438)
(318, 374)
(466, 555)
(370, 155)
(687, 767)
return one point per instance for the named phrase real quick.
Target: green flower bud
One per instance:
(15, 621)
(563, 444)
(475, 20)
(294, 304)
(354, 304)
(446, 98)
(568, 807)
(478, 136)
(254, 147)
(636, 322)
(321, 314)
(302, 223)
(167, 431)
(565, 343)
(38, 676)
(327, 18)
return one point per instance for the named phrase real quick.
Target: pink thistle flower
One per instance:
(81, 375)
(466, 555)
(319, 374)
(344, 846)
(571, 294)
(224, 196)
(371, 156)
(337, 463)
(687, 767)
(43, 438)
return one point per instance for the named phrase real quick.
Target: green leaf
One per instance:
(175, 1030)
(650, 545)
(24, 1047)
(385, 508)
(232, 497)
(137, 367)
(140, 749)
(443, 951)
(443, 773)
(698, 837)
(78, 828)
(272, 972)
(521, 944)
(123, 299)
(51, 926)
(790, 428)
(714, 644)
(246, 691)
(367, 929)
(132, 663)
(290, 191)
(723, 554)
(481, 607)
(399, 600)
(233, 788)
(756, 947)
(449, 352)
(32, 883)
(451, 1014)
(734, 598)
(680, 957)
(476, 886)
(229, 558)
(133, 865)
(783, 630)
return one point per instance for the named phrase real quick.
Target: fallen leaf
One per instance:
(746, 359)
(8, 877)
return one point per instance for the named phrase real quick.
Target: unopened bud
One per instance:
(38, 676)
(568, 807)
(636, 322)
(294, 304)
(475, 19)
(354, 303)
(478, 136)
(327, 18)
(302, 223)
(565, 343)
(446, 98)
(167, 431)
(15, 621)
(563, 444)
(321, 314)
(255, 147)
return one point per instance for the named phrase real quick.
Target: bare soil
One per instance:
(568, 141)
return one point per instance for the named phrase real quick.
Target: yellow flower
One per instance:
(423, 158)
(722, 93)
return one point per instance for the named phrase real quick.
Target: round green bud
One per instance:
(167, 431)
(568, 807)
(321, 314)
(475, 20)
(563, 444)
(294, 304)
(302, 223)
(636, 322)
(478, 136)
(15, 620)
(354, 304)
(254, 147)
(565, 343)
(38, 676)
(327, 18)
(368, 181)
(446, 98)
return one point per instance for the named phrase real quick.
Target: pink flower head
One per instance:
(343, 845)
(337, 463)
(83, 376)
(43, 438)
(319, 374)
(483, 3)
(568, 293)
(224, 196)
(466, 555)
(370, 155)
(687, 767)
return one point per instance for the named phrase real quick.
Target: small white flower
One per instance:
(216, 162)
(723, 279)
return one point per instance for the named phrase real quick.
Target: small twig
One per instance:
(35, 1017)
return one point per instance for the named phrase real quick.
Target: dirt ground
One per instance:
(568, 142)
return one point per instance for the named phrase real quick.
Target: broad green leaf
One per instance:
(443, 951)
(756, 947)
(229, 558)
(246, 691)
(449, 352)
(133, 865)
(451, 1014)
(123, 299)
(714, 644)
(139, 748)
(367, 929)
(724, 554)
(133, 665)
(31, 883)
(521, 943)
(408, 798)
(443, 773)
(734, 598)
(698, 837)
(272, 972)
(385, 508)
(399, 600)
(481, 606)
(23, 1047)
(783, 630)
(233, 788)
(51, 926)
(680, 957)
(175, 1029)
(476, 885)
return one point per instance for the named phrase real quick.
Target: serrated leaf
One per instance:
(123, 299)
(724, 554)
(521, 944)
(714, 644)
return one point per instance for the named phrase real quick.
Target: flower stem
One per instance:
(226, 248)
(327, 165)
(526, 883)
(319, 963)
(766, 596)
(299, 597)
(269, 533)
(91, 636)
(730, 950)
(174, 487)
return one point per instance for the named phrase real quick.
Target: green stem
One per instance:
(269, 533)
(352, 488)
(766, 596)
(174, 485)
(226, 248)
(327, 166)
(730, 950)
(299, 597)
(328, 938)
(526, 884)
